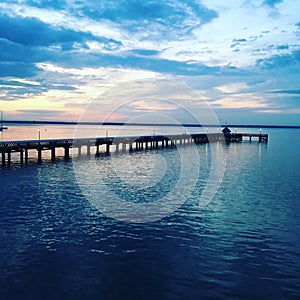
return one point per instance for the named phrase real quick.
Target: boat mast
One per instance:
(1, 121)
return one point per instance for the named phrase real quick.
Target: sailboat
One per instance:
(1, 126)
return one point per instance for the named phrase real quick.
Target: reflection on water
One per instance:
(243, 245)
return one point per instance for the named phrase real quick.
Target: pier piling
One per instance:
(137, 143)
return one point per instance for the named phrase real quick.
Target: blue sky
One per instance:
(241, 57)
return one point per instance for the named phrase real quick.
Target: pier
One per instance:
(24, 149)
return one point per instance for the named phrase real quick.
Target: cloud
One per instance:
(33, 32)
(241, 101)
(21, 81)
(238, 42)
(127, 10)
(60, 54)
(61, 25)
(283, 47)
(132, 24)
(54, 4)
(288, 92)
(232, 88)
(172, 12)
(15, 88)
(153, 106)
(139, 62)
(272, 3)
(18, 69)
(11, 52)
(292, 111)
(41, 114)
(173, 30)
(281, 61)
(144, 52)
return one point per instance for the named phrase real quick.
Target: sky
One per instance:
(62, 58)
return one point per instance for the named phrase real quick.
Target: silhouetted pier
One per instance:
(25, 149)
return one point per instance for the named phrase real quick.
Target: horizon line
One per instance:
(43, 122)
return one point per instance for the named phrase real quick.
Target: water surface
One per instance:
(243, 245)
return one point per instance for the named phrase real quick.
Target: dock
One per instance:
(23, 150)
(238, 137)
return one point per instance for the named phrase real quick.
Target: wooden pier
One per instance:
(23, 149)
(238, 137)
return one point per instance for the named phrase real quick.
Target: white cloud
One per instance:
(243, 32)
(251, 22)
(22, 80)
(242, 101)
(209, 43)
(64, 19)
(291, 111)
(232, 88)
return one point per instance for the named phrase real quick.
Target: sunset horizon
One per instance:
(241, 59)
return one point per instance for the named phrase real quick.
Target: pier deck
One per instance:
(116, 144)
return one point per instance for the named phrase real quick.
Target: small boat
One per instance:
(1, 126)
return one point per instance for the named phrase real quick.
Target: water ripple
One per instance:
(244, 245)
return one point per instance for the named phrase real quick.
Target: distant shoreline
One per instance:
(142, 124)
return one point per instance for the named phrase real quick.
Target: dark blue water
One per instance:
(245, 244)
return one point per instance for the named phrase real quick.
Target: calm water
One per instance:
(245, 244)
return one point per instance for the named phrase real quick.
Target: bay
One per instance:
(243, 244)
